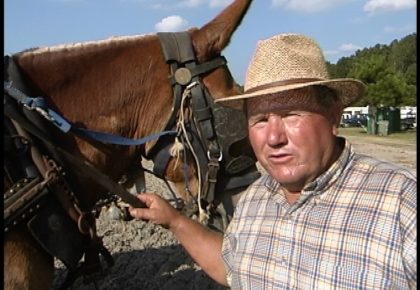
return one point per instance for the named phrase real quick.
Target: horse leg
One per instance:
(26, 265)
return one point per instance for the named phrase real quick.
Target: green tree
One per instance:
(389, 71)
(403, 53)
(390, 90)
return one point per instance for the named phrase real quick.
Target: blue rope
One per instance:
(119, 140)
(39, 104)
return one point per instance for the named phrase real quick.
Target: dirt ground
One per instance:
(396, 151)
(149, 257)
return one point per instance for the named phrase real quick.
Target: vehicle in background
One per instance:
(360, 120)
(408, 117)
(400, 118)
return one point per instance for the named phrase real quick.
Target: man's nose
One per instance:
(276, 131)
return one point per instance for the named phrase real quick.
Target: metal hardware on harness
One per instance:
(39, 105)
(183, 76)
(21, 202)
(88, 169)
(24, 199)
(179, 53)
(42, 111)
(220, 158)
(77, 227)
(52, 226)
(212, 129)
(211, 180)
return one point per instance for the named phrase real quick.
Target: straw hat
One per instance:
(290, 61)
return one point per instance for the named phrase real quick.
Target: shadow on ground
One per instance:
(164, 268)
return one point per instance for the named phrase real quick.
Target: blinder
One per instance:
(40, 196)
(218, 134)
(32, 201)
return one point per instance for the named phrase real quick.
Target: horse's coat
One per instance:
(119, 86)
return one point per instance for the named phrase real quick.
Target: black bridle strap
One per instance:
(161, 160)
(203, 68)
(179, 53)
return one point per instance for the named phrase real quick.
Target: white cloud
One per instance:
(392, 29)
(171, 4)
(330, 52)
(343, 50)
(219, 3)
(308, 6)
(373, 6)
(196, 3)
(158, 6)
(133, 1)
(68, 1)
(349, 47)
(191, 3)
(171, 23)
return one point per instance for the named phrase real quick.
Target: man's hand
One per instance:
(158, 211)
(202, 244)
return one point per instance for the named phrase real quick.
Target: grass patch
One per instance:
(409, 136)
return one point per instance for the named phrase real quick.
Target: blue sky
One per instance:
(340, 26)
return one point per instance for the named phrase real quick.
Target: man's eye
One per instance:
(257, 120)
(295, 114)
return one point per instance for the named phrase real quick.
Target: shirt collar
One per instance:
(330, 176)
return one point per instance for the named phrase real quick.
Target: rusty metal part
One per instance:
(21, 201)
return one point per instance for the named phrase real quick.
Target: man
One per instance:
(323, 217)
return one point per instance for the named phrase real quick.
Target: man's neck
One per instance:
(292, 197)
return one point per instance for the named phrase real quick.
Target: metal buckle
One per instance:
(183, 76)
(218, 159)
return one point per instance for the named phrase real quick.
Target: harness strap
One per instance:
(197, 70)
(40, 105)
(203, 114)
(179, 53)
(173, 51)
(17, 148)
(161, 160)
(84, 165)
(177, 49)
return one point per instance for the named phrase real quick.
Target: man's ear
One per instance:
(336, 115)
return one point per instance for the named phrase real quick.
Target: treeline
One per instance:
(388, 70)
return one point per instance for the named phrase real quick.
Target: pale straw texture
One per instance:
(290, 61)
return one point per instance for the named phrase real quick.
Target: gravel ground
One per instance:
(146, 256)
(149, 257)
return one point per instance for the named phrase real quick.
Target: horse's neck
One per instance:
(121, 88)
(107, 86)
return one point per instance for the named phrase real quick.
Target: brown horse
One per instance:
(118, 86)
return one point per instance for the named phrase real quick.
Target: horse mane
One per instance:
(84, 45)
(82, 75)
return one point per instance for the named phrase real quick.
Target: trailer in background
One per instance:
(383, 119)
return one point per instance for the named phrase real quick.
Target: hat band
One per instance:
(282, 83)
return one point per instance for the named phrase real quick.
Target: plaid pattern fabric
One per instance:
(354, 227)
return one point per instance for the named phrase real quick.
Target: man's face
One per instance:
(293, 140)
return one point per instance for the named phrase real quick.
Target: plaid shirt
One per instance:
(354, 227)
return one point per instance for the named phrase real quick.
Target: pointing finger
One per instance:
(140, 213)
(147, 198)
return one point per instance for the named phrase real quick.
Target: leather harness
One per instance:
(43, 194)
(213, 131)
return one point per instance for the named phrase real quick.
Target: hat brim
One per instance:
(347, 89)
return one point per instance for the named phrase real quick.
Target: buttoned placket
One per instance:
(287, 231)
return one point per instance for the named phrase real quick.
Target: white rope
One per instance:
(203, 216)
